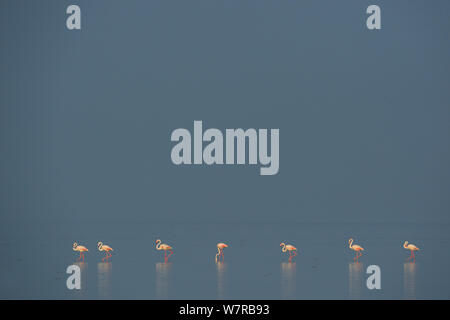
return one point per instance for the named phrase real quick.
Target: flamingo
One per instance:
(355, 248)
(164, 247)
(412, 248)
(80, 249)
(107, 249)
(220, 247)
(290, 248)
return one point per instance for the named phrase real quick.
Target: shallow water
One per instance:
(254, 268)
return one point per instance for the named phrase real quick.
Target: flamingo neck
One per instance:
(284, 248)
(218, 252)
(351, 244)
(158, 245)
(405, 244)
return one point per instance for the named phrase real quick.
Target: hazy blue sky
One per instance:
(86, 116)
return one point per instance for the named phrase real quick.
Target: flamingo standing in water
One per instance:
(412, 248)
(164, 247)
(107, 249)
(290, 248)
(355, 248)
(80, 249)
(220, 247)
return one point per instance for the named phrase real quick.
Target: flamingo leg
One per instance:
(79, 258)
(414, 257)
(171, 252)
(82, 254)
(410, 256)
(290, 256)
(165, 256)
(223, 257)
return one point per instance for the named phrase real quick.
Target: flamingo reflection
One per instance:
(104, 275)
(288, 279)
(409, 280)
(221, 268)
(355, 280)
(162, 280)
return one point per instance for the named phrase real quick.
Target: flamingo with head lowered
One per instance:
(412, 248)
(219, 253)
(355, 248)
(164, 247)
(107, 249)
(80, 249)
(290, 248)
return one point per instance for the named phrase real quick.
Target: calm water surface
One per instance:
(33, 263)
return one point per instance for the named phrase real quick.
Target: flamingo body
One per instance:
(165, 247)
(411, 248)
(219, 253)
(355, 248)
(107, 249)
(80, 249)
(289, 248)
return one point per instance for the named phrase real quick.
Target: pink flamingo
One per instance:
(80, 249)
(290, 248)
(164, 247)
(107, 249)
(220, 247)
(412, 248)
(355, 248)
